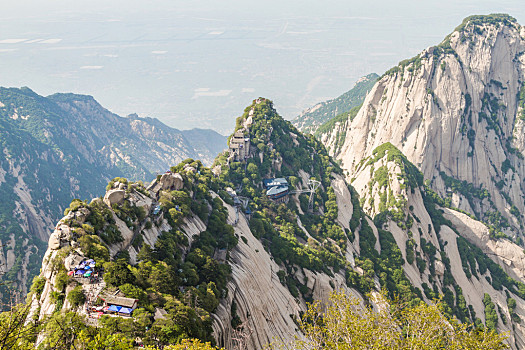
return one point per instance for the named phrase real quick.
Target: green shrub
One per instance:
(75, 204)
(38, 285)
(117, 179)
(61, 281)
(491, 317)
(76, 297)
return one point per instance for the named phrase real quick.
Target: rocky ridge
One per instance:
(288, 255)
(67, 146)
(444, 249)
(312, 118)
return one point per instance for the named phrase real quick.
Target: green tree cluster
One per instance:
(347, 324)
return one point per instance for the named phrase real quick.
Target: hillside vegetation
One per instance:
(310, 119)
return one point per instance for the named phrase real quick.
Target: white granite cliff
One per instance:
(454, 108)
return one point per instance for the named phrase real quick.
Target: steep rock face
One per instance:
(438, 243)
(455, 112)
(508, 255)
(269, 317)
(335, 136)
(254, 273)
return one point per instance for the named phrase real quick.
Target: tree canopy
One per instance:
(348, 324)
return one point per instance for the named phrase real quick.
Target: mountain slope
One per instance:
(202, 256)
(68, 146)
(206, 143)
(455, 112)
(446, 251)
(310, 119)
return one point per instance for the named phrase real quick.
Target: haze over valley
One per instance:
(196, 64)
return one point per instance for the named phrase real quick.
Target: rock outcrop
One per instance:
(63, 248)
(114, 197)
(171, 181)
(167, 181)
(392, 191)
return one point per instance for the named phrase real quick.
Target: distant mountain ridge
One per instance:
(67, 146)
(310, 119)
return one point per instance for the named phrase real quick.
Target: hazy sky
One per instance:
(199, 63)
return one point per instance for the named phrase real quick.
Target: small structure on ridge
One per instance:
(119, 305)
(239, 147)
(277, 189)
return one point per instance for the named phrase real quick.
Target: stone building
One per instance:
(239, 147)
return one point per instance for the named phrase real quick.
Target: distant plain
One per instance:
(199, 63)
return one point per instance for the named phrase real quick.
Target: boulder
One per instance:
(72, 260)
(440, 268)
(81, 214)
(64, 232)
(178, 183)
(171, 181)
(122, 186)
(166, 181)
(114, 197)
(54, 241)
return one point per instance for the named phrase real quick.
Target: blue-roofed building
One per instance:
(156, 210)
(277, 189)
(278, 193)
(119, 305)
